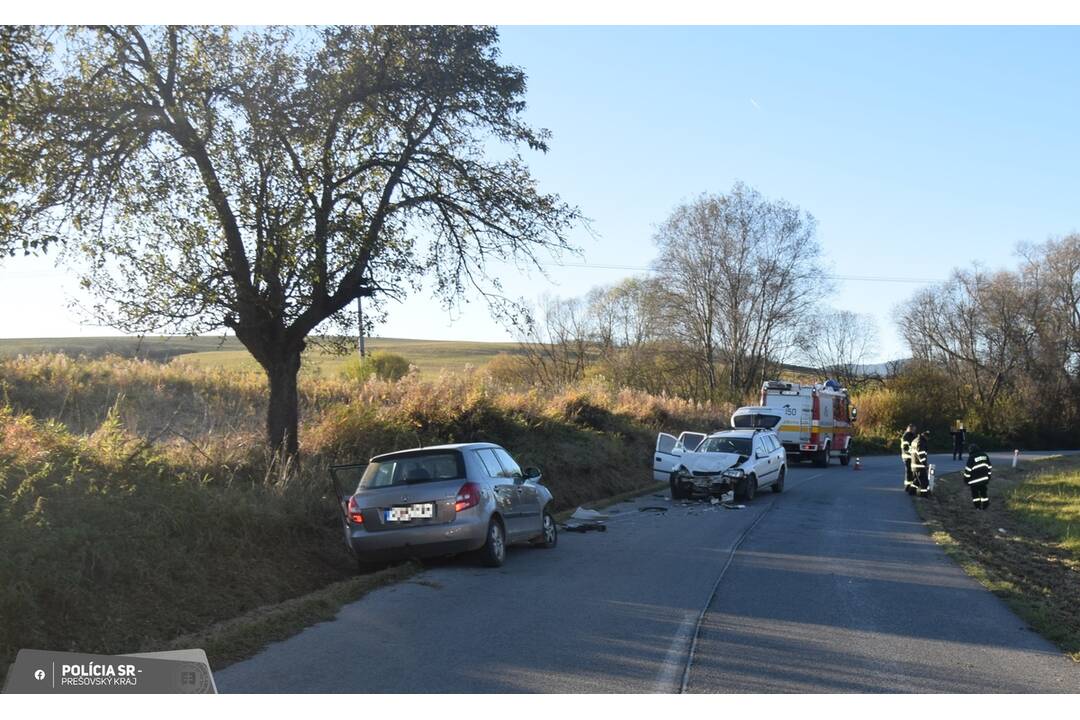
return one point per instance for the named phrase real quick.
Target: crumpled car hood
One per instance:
(711, 462)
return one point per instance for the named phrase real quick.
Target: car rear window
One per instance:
(756, 420)
(414, 468)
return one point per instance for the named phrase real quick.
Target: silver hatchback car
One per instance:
(443, 500)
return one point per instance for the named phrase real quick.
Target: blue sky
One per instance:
(917, 150)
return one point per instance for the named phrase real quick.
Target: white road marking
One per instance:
(675, 659)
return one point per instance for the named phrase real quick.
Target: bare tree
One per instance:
(557, 343)
(840, 345)
(974, 325)
(740, 273)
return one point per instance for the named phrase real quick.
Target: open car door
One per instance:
(342, 479)
(665, 459)
(689, 441)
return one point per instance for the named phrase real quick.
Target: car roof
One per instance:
(434, 448)
(740, 432)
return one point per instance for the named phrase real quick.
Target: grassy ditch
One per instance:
(1034, 565)
(138, 506)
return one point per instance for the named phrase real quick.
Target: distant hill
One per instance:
(154, 348)
(429, 356)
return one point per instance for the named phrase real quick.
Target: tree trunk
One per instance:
(283, 411)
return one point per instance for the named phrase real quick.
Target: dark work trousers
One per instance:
(958, 447)
(979, 498)
(922, 479)
(909, 476)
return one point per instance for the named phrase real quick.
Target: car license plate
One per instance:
(404, 513)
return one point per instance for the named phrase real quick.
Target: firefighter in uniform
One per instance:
(977, 476)
(919, 465)
(905, 456)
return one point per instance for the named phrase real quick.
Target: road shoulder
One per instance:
(1013, 553)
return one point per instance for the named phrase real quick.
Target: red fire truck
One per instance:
(814, 422)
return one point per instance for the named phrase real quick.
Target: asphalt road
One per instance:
(833, 586)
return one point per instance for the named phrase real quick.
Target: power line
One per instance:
(858, 278)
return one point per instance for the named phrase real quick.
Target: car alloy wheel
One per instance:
(494, 550)
(551, 531)
(550, 534)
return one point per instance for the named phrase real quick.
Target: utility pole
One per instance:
(362, 293)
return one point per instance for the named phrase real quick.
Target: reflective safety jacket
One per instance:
(905, 445)
(918, 453)
(978, 469)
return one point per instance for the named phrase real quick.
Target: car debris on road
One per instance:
(586, 519)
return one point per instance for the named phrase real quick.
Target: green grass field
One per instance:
(429, 356)
(1050, 501)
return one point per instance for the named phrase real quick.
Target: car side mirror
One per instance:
(532, 473)
(760, 455)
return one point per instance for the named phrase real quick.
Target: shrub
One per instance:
(510, 370)
(379, 364)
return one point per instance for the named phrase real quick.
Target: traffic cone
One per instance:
(858, 463)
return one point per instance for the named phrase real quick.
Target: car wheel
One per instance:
(778, 486)
(751, 488)
(676, 489)
(494, 551)
(822, 459)
(550, 536)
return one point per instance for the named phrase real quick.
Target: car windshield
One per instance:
(726, 444)
(756, 420)
(413, 468)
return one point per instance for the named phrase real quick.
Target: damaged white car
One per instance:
(741, 460)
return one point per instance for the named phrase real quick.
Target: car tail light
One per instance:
(468, 496)
(354, 511)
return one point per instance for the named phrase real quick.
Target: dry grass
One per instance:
(137, 503)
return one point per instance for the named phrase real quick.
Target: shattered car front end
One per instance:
(709, 474)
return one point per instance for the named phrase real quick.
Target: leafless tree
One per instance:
(557, 342)
(840, 345)
(977, 325)
(739, 273)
